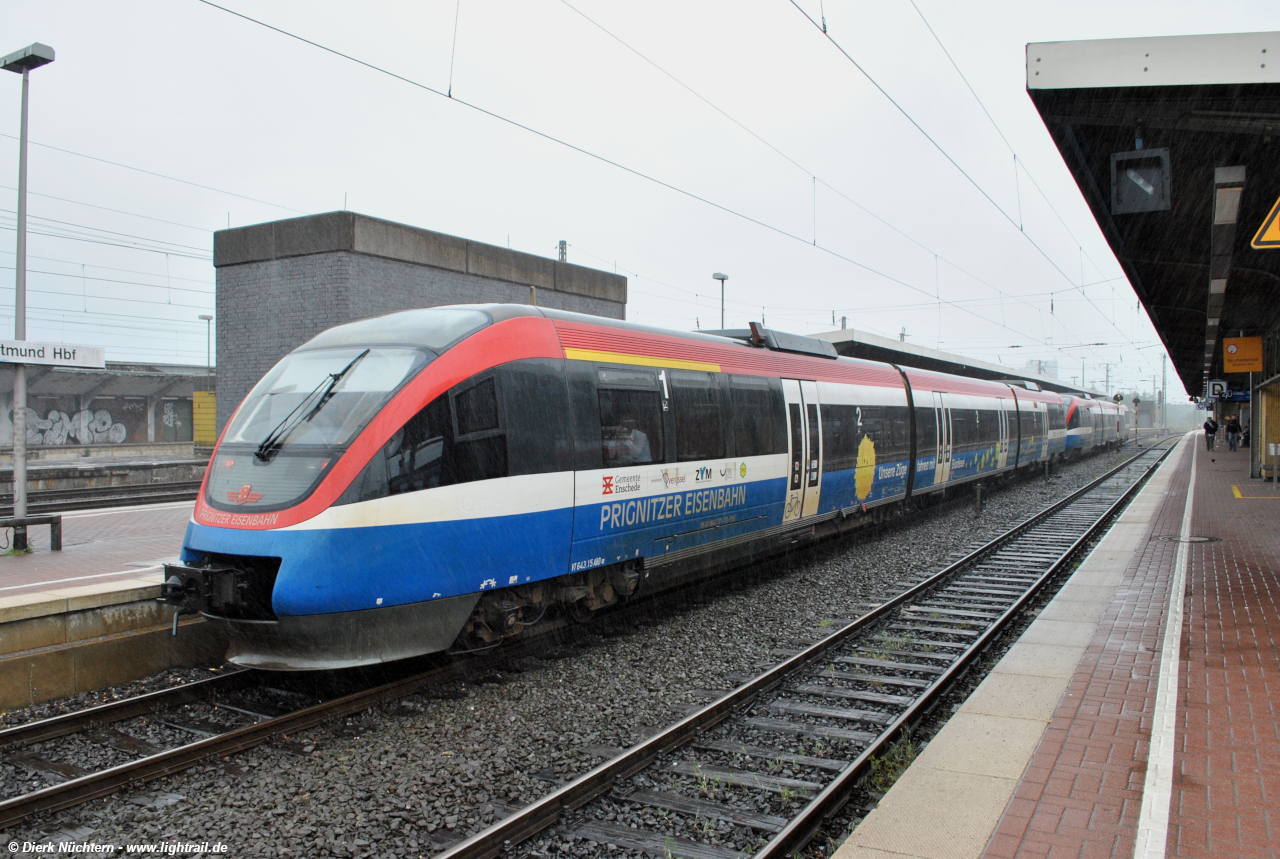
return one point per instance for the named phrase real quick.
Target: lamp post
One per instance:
(22, 62)
(208, 351)
(722, 278)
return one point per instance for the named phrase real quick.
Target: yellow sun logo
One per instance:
(865, 472)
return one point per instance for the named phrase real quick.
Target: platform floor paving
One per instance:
(1099, 734)
(106, 550)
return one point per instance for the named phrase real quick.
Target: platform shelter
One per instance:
(1172, 142)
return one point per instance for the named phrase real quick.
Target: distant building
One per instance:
(1043, 367)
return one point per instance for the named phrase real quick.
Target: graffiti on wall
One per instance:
(87, 426)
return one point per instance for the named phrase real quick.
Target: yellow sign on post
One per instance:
(1269, 233)
(204, 418)
(1242, 355)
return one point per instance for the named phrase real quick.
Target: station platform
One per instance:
(87, 617)
(1139, 714)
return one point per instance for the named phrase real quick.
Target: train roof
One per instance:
(754, 351)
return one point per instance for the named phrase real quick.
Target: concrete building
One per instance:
(283, 282)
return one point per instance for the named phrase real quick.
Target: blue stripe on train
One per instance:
(344, 569)
(839, 488)
(657, 525)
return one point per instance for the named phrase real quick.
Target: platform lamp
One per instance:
(722, 278)
(208, 350)
(22, 62)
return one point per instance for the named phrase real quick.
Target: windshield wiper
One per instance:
(275, 439)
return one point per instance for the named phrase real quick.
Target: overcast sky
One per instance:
(820, 198)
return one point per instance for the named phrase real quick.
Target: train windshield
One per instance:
(296, 421)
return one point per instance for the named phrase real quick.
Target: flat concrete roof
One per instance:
(117, 379)
(873, 347)
(1220, 58)
(355, 233)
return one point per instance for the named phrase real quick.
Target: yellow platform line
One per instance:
(641, 360)
(1236, 491)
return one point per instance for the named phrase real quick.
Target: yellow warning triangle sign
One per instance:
(1269, 233)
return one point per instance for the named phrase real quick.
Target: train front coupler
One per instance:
(192, 590)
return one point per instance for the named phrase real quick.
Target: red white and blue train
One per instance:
(439, 479)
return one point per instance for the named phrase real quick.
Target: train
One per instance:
(440, 479)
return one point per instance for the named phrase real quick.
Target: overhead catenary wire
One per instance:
(31, 193)
(92, 229)
(940, 148)
(999, 131)
(583, 151)
(1016, 163)
(130, 246)
(804, 169)
(157, 175)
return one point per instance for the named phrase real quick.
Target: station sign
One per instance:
(52, 354)
(1242, 355)
(1217, 388)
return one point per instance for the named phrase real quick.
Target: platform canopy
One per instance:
(1175, 144)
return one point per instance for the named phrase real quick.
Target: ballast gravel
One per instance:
(413, 776)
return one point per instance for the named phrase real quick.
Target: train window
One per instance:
(536, 417)
(926, 431)
(963, 430)
(759, 416)
(840, 432)
(695, 398)
(988, 426)
(584, 410)
(622, 377)
(479, 451)
(630, 427)
(844, 427)
(477, 408)
(481, 459)
(414, 457)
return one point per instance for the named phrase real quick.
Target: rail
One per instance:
(793, 834)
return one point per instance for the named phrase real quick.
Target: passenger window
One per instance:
(699, 425)
(477, 408)
(415, 455)
(926, 431)
(630, 427)
(759, 416)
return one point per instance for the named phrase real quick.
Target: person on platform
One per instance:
(1233, 433)
(1210, 430)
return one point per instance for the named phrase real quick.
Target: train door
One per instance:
(1002, 446)
(804, 480)
(943, 472)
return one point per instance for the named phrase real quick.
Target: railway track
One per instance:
(165, 732)
(62, 500)
(757, 771)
